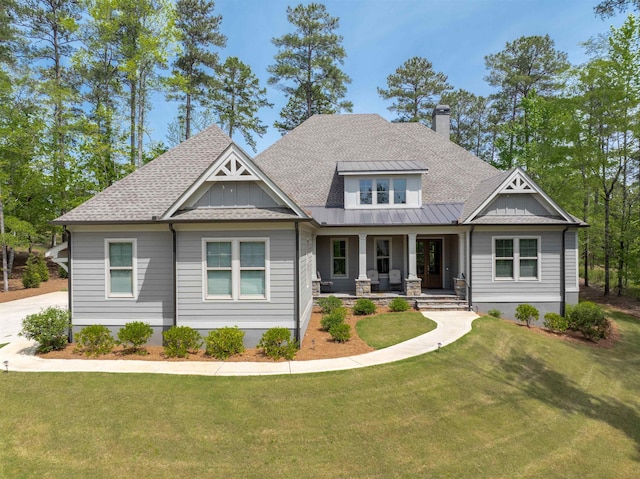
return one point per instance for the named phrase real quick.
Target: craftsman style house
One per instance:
(206, 236)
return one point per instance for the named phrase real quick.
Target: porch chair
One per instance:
(395, 281)
(372, 274)
(325, 284)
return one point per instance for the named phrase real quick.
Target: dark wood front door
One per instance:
(429, 262)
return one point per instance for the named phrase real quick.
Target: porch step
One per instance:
(442, 303)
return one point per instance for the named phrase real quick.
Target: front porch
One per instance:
(444, 300)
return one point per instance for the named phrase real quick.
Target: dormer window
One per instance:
(388, 191)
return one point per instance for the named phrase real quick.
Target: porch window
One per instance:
(120, 266)
(236, 268)
(339, 257)
(516, 259)
(383, 255)
(399, 191)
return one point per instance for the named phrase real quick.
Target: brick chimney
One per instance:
(440, 120)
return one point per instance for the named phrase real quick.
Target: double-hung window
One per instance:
(121, 268)
(339, 257)
(516, 259)
(236, 268)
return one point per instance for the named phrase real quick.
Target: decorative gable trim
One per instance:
(519, 182)
(233, 164)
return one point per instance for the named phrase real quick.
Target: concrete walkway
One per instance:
(452, 325)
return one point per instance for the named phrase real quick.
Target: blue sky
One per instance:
(380, 35)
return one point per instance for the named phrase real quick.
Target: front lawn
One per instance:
(502, 402)
(384, 330)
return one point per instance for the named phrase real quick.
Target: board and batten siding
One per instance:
(236, 193)
(515, 205)
(201, 314)
(154, 301)
(305, 280)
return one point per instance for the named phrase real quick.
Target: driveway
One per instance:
(13, 312)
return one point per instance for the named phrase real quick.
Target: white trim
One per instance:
(346, 258)
(577, 277)
(236, 270)
(518, 298)
(134, 269)
(375, 254)
(59, 260)
(516, 259)
(383, 173)
(374, 193)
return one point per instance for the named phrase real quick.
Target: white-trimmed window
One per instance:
(382, 191)
(516, 259)
(120, 264)
(399, 191)
(383, 255)
(236, 268)
(339, 258)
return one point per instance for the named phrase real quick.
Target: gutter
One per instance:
(563, 267)
(296, 285)
(175, 276)
(69, 295)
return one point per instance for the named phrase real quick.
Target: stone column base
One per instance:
(413, 287)
(363, 287)
(315, 288)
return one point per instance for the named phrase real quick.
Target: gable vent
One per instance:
(518, 185)
(232, 169)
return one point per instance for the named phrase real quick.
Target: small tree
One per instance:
(43, 269)
(527, 314)
(31, 277)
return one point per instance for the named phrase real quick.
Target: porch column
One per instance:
(363, 283)
(412, 256)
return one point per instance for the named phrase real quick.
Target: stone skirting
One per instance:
(412, 287)
(363, 287)
(315, 288)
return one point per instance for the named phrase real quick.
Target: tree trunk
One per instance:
(132, 122)
(187, 118)
(607, 246)
(5, 271)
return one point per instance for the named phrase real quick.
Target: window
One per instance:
(236, 268)
(382, 188)
(120, 268)
(339, 257)
(387, 191)
(516, 258)
(366, 188)
(399, 191)
(383, 255)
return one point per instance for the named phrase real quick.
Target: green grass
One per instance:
(502, 402)
(384, 330)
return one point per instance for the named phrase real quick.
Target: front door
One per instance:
(429, 262)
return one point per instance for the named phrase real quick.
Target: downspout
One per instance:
(296, 285)
(175, 276)
(563, 267)
(69, 295)
(469, 273)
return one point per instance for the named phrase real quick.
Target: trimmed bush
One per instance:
(225, 342)
(179, 341)
(31, 276)
(397, 305)
(329, 304)
(555, 322)
(340, 333)
(588, 319)
(62, 273)
(42, 267)
(135, 334)
(50, 327)
(94, 340)
(364, 307)
(277, 343)
(334, 317)
(496, 313)
(527, 314)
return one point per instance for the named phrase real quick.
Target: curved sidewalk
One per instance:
(452, 325)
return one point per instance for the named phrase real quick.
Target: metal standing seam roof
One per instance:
(345, 167)
(433, 214)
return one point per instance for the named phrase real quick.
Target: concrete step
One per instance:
(442, 304)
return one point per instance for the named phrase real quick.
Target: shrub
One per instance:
(31, 276)
(62, 273)
(398, 305)
(555, 322)
(329, 304)
(588, 319)
(225, 342)
(334, 317)
(50, 327)
(364, 307)
(94, 340)
(496, 313)
(43, 269)
(134, 335)
(340, 332)
(277, 343)
(179, 341)
(527, 313)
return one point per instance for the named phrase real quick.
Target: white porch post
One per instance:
(412, 256)
(362, 263)
(461, 255)
(314, 260)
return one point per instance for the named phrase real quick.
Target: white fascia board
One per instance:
(249, 165)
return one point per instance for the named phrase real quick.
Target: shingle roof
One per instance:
(519, 219)
(154, 188)
(433, 214)
(304, 161)
(481, 192)
(234, 214)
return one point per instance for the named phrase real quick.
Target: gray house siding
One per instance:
(154, 302)
(253, 316)
(515, 205)
(506, 295)
(237, 193)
